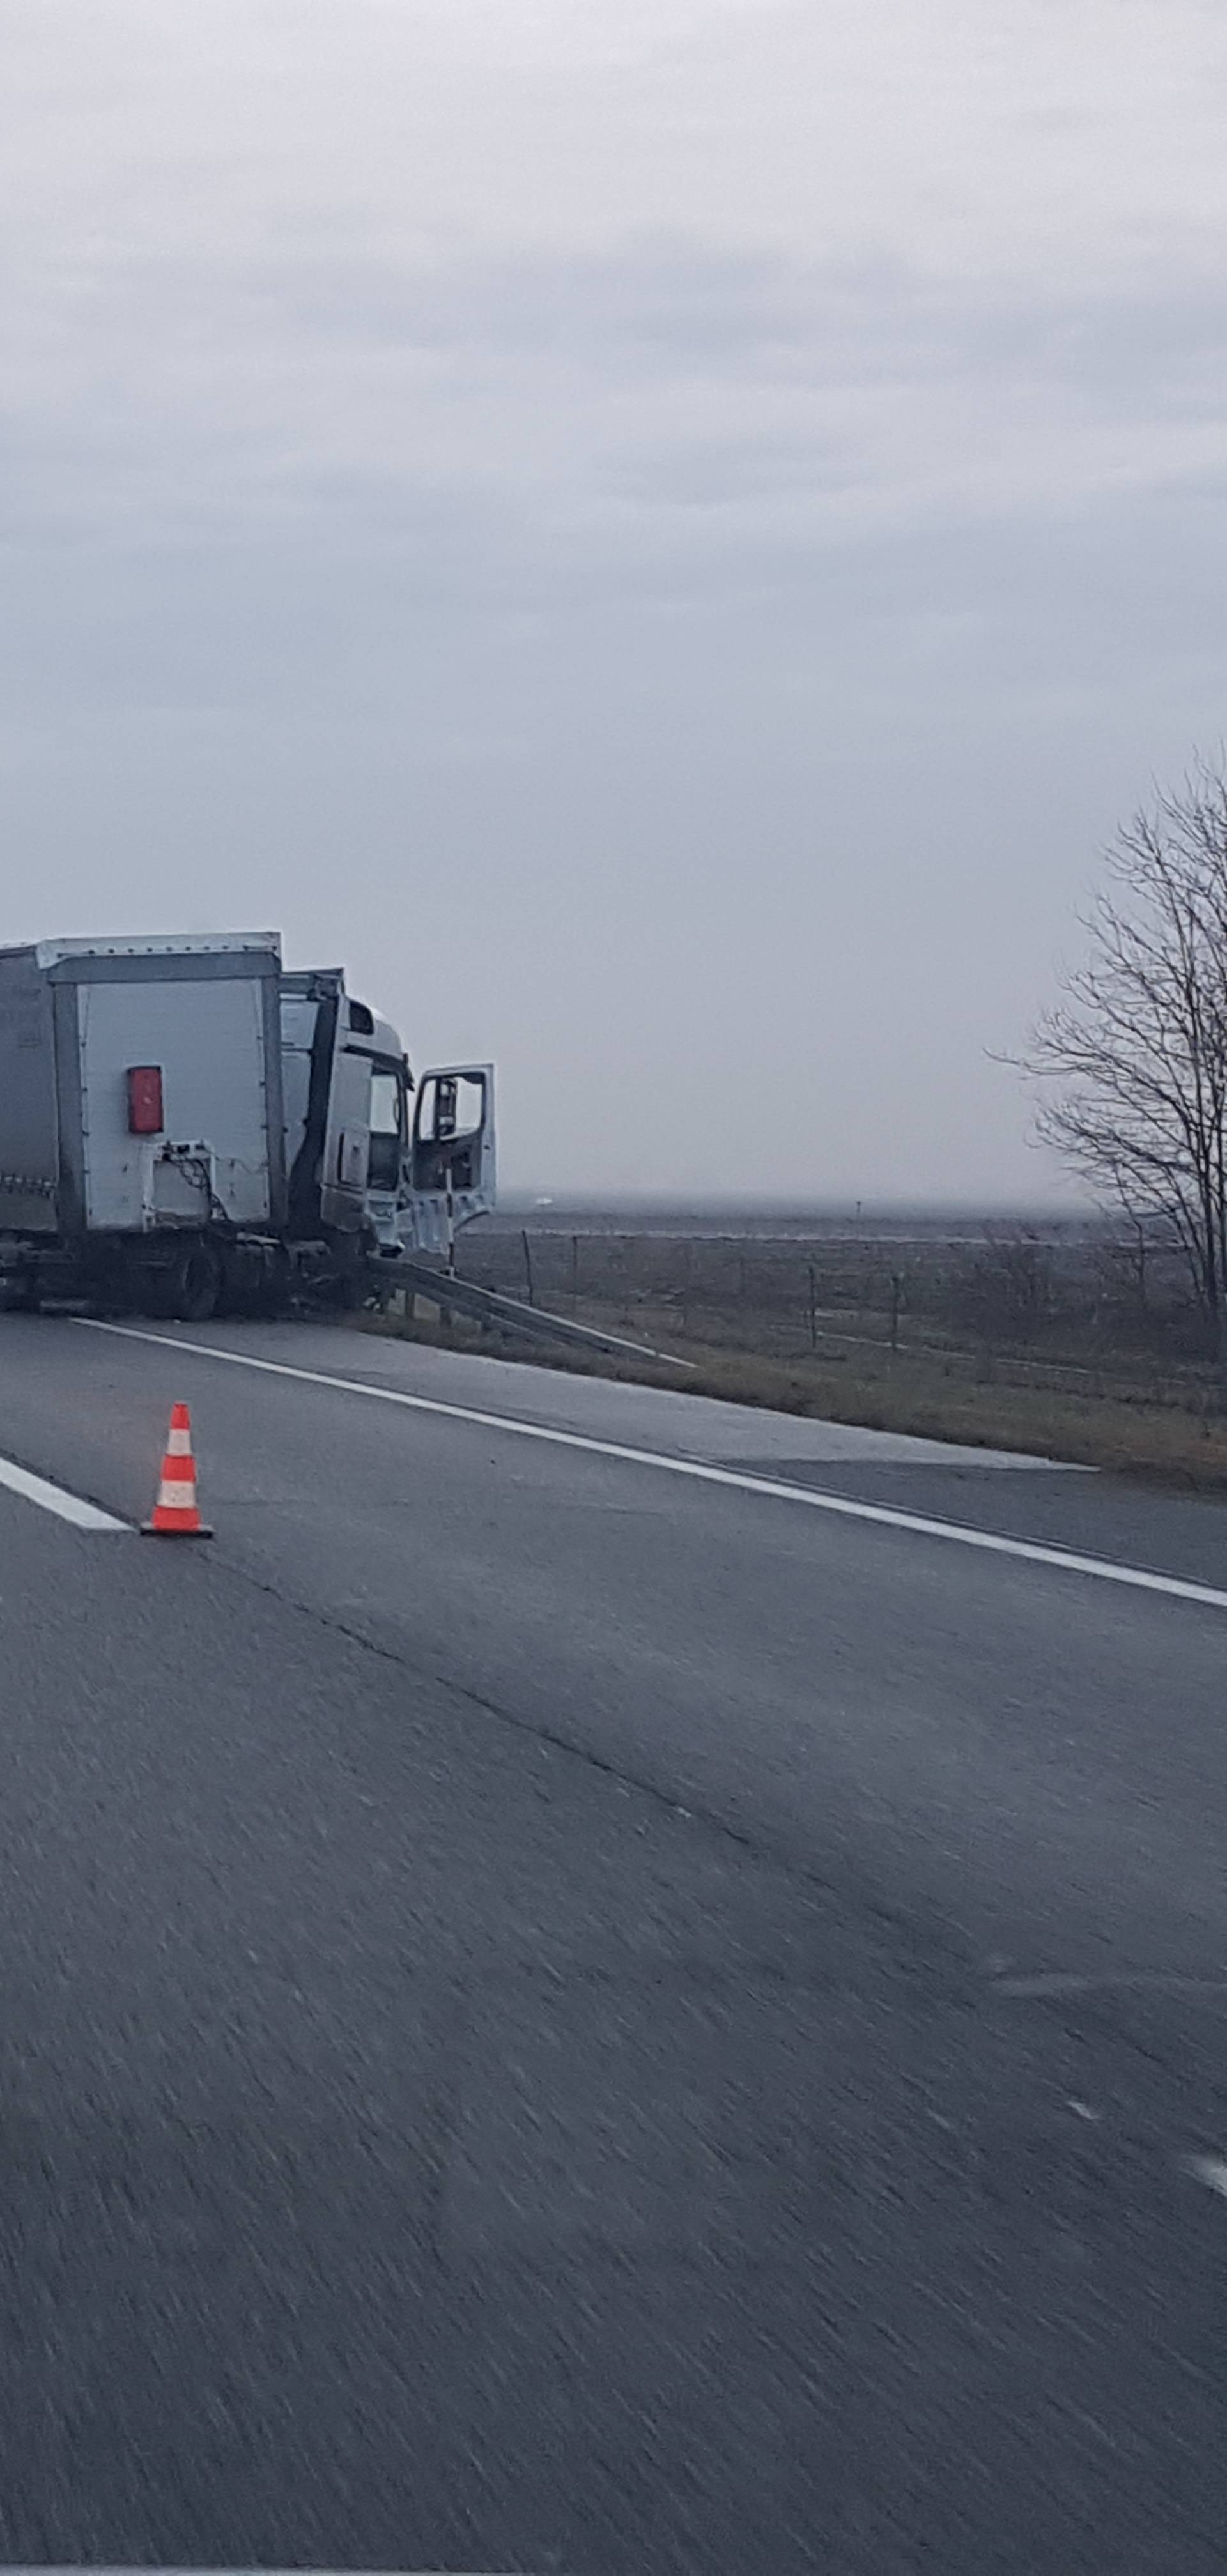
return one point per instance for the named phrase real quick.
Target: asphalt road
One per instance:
(563, 2015)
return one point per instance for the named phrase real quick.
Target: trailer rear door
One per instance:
(207, 1039)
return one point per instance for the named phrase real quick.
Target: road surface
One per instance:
(570, 2006)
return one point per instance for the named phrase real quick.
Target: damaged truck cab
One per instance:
(366, 1147)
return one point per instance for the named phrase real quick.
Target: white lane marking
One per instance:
(1063, 1560)
(1212, 2170)
(52, 1498)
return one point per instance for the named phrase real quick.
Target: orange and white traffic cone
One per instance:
(175, 1514)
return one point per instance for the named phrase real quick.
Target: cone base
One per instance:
(158, 1529)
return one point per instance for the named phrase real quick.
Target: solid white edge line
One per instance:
(53, 1498)
(886, 1515)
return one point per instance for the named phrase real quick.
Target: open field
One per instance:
(1065, 1339)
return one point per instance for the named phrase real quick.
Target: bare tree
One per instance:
(1133, 1060)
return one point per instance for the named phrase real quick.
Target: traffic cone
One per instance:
(175, 1514)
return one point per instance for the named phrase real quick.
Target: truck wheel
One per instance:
(190, 1288)
(250, 1286)
(19, 1297)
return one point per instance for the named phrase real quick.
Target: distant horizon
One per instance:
(519, 1196)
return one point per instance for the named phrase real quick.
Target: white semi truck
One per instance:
(185, 1128)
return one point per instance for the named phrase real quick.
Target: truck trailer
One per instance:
(188, 1128)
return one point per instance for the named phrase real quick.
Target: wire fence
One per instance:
(1106, 1316)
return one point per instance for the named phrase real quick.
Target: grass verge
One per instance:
(1162, 1444)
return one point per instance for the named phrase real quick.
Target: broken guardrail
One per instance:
(489, 1307)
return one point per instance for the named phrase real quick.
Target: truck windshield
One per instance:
(383, 1169)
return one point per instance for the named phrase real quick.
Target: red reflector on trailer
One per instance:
(145, 1100)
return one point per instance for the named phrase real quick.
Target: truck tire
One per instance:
(189, 1289)
(253, 1285)
(19, 1295)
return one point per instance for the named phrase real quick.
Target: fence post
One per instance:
(813, 1308)
(528, 1264)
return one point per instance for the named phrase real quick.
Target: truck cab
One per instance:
(369, 1152)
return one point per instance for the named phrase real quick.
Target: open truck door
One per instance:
(450, 1168)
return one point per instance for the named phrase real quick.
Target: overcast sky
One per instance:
(663, 534)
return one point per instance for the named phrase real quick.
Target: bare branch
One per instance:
(1131, 1064)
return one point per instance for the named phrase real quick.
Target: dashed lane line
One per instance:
(54, 1498)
